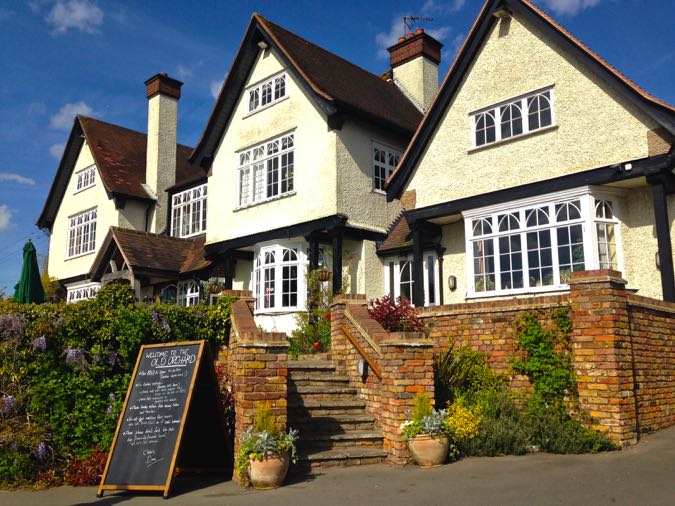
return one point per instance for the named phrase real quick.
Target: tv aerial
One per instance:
(410, 21)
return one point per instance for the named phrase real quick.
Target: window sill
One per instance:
(511, 139)
(278, 312)
(190, 236)
(261, 202)
(81, 255)
(378, 192)
(83, 189)
(522, 291)
(264, 107)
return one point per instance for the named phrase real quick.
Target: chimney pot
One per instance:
(401, 39)
(163, 84)
(419, 31)
(409, 35)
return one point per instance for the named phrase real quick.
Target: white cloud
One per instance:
(215, 88)
(56, 150)
(63, 120)
(183, 72)
(76, 14)
(387, 39)
(5, 217)
(440, 7)
(16, 178)
(569, 7)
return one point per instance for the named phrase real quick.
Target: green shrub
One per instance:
(66, 368)
(312, 333)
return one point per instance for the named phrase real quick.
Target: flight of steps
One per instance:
(335, 429)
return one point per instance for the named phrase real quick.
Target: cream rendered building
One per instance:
(535, 160)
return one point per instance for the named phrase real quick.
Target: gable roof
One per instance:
(336, 84)
(148, 253)
(120, 156)
(660, 111)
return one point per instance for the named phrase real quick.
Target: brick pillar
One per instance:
(407, 369)
(602, 352)
(259, 365)
(339, 345)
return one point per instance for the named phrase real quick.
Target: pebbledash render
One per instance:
(534, 159)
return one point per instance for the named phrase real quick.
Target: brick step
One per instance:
(321, 441)
(325, 407)
(311, 365)
(331, 424)
(345, 456)
(304, 390)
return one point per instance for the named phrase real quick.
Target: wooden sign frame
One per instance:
(166, 488)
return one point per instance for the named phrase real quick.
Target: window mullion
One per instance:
(591, 254)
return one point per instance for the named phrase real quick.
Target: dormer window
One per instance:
(86, 178)
(266, 93)
(513, 118)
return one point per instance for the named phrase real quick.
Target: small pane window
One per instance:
(266, 171)
(86, 178)
(277, 278)
(539, 110)
(385, 161)
(267, 92)
(82, 234)
(512, 120)
(485, 128)
(188, 210)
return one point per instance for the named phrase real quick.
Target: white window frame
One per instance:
(396, 262)
(392, 157)
(277, 86)
(82, 291)
(188, 293)
(586, 196)
(496, 110)
(258, 277)
(185, 205)
(81, 234)
(262, 157)
(86, 178)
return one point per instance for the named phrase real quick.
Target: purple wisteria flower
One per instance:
(112, 397)
(41, 451)
(75, 357)
(112, 359)
(161, 322)
(40, 343)
(109, 411)
(11, 327)
(9, 404)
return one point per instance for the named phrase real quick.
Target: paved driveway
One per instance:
(642, 475)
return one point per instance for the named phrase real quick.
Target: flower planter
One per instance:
(325, 275)
(269, 472)
(429, 451)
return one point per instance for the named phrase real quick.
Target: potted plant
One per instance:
(265, 452)
(426, 433)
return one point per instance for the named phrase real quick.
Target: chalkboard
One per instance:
(149, 432)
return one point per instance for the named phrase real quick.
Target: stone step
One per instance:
(331, 424)
(304, 390)
(325, 407)
(308, 377)
(345, 456)
(321, 441)
(311, 365)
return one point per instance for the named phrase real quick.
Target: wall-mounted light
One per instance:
(657, 259)
(262, 44)
(362, 368)
(452, 283)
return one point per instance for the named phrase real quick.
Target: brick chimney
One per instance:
(414, 65)
(163, 93)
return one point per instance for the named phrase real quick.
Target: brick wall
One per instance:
(652, 325)
(488, 326)
(258, 362)
(401, 365)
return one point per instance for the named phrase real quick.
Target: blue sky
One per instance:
(62, 57)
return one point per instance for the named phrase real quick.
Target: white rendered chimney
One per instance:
(163, 93)
(414, 65)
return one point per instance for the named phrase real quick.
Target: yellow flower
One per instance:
(462, 422)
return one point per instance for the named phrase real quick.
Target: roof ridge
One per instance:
(265, 20)
(90, 118)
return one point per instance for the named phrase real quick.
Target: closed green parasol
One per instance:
(29, 290)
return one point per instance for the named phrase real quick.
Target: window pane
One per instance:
(287, 172)
(511, 121)
(405, 279)
(272, 177)
(540, 258)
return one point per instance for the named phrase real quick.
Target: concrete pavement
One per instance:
(641, 475)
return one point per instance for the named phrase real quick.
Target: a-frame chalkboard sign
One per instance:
(170, 420)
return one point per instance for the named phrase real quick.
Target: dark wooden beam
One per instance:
(313, 254)
(418, 265)
(662, 222)
(337, 261)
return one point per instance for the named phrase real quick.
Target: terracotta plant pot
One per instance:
(269, 472)
(429, 451)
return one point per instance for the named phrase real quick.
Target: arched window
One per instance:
(188, 293)
(512, 120)
(539, 110)
(485, 128)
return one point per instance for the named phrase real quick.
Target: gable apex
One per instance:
(659, 111)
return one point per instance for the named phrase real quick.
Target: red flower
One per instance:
(315, 345)
(327, 316)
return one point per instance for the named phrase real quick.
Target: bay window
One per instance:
(188, 212)
(536, 244)
(279, 278)
(266, 170)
